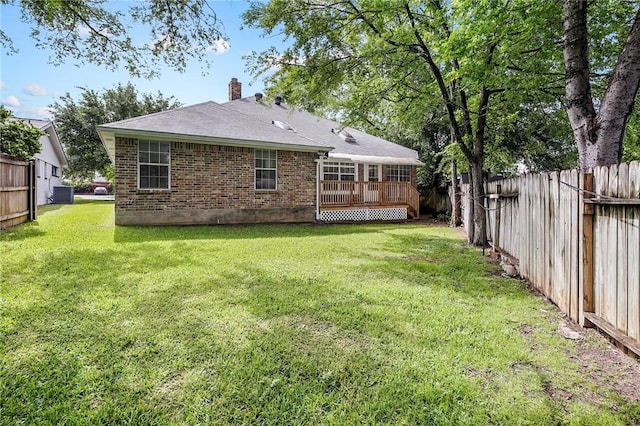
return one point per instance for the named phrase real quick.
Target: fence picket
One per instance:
(633, 255)
(611, 273)
(542, 227)
(621, 283)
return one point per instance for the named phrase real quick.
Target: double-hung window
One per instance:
(400, 173)
(266, 165)
(374, 175)
(153, 165)
(334, 170)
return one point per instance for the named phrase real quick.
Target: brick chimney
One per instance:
(235, 89)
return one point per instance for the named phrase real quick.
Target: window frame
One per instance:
(341, 166)
(377, 174)
(262, 168)
(54, 171)
(396, 173)
(149, 163)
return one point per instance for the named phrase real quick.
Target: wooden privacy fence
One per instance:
(17, 191)
(576, 238)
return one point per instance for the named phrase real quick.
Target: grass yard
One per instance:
(279, 324)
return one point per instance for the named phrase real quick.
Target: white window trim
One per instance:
(398, 166)
(340, 164)
(152, 164)
(255, 169)
(378, 169)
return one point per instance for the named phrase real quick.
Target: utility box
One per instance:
(63, 195)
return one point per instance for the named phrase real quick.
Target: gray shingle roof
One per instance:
(250, 123)
(320, 130)
(209, 120)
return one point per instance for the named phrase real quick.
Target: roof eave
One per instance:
(57, 145)
(110, 132)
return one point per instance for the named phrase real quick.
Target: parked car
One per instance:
(100, 190)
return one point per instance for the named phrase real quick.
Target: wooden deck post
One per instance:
(587, 249)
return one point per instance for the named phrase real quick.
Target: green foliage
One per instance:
(393, 66)
(281, 324)
(96, 32)
(18, 138)
(536, 137)
(76, 122)
(632, 136)
(608, 24)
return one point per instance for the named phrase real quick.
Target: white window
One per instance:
(373, 173)
(399, 173)
(54, 171)
(334, 170)
(266, 165)
(153, 165)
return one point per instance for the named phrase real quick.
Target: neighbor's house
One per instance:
(49, 161)
(248, 161)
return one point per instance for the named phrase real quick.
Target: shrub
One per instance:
(18, 138)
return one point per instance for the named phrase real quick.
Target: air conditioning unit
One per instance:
(63, 195)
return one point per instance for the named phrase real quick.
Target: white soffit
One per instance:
(372, 159)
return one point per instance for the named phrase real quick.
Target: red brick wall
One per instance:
(210, 177)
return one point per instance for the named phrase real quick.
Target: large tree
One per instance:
(354, 53)
(99, 32)
(18, 138)
(601, 43)
(76, 122)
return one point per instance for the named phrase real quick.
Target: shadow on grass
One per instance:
(22, 232)
(78, 200)
(443, 262)
(116, 332)
(137, 234)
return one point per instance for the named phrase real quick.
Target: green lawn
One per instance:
(276, 324)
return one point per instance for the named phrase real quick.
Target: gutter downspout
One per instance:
(318, 168)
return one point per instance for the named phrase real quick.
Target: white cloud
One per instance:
(2, 86)
(219, 47)
(34, 89)
(38, 112)
(11, 101)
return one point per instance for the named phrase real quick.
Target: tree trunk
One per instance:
(476, 234)
(599, 136)
(456, 208)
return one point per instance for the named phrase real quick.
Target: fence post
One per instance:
(496, 225)
(587, 249)
(33, 192)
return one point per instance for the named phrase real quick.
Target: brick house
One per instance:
(246, 161)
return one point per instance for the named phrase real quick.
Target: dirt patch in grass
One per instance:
(609, 367)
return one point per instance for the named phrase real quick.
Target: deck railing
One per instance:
(352, 194)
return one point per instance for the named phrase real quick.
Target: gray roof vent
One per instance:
(278, 100)
(283, 125)
(258, 96)
(346, 136)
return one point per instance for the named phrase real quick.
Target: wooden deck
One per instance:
(349, 194)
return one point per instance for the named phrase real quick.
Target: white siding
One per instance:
(44, 179)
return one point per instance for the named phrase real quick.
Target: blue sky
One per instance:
(29, 84)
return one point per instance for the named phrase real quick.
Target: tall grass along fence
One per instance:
(17, 191)
(576, 238)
